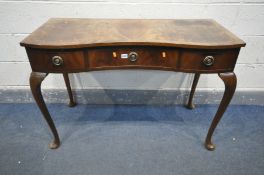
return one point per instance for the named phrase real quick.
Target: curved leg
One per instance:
(229, 80)
(190, 104)
(68, 85)
(36, 79)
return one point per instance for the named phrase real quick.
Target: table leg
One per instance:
(36, 79)
(190, 104)
(230, 81)
(68, 85)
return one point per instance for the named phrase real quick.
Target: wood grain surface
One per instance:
(65, 33)
(80, 45)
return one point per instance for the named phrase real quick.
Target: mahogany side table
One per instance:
(71, 45)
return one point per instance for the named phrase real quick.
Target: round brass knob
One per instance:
(57, 61)
(133, 56)
(208, 61)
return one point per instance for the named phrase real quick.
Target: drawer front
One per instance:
(208, 60)
(56, 61)
(129, 57)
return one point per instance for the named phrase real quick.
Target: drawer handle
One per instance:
(133, 56)
(208, 61)
(57, 61)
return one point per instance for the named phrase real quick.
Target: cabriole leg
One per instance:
(68, 85)
(190, 104)
(35, 80)
(229, 80)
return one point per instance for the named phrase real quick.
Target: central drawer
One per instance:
(132, 57)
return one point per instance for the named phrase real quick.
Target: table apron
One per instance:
(154, 58)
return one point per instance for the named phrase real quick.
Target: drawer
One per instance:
(208, 60)
(132, 57)
(56, 61)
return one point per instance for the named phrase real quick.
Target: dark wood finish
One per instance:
(230, 81)
(190, 104)
(148, 57)
(41, 60)
(68, 85)
(80, 45)
(79, 33)
(101, 58)
(192, 60)
(35, 80)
